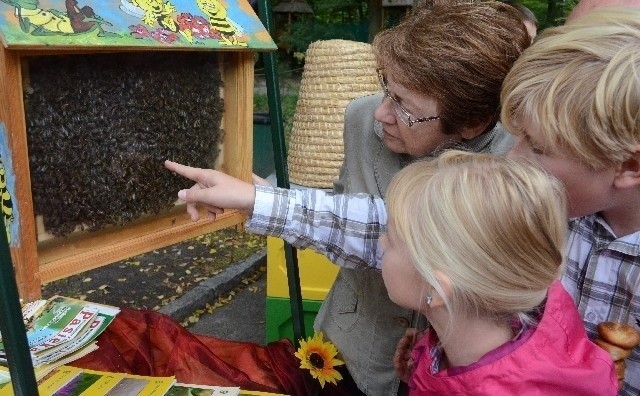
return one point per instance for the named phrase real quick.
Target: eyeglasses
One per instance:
(401, 113)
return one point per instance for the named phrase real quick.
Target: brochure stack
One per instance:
(60, 330)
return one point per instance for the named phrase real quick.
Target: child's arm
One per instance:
(345, 228)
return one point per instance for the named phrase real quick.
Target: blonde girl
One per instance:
(474, 242)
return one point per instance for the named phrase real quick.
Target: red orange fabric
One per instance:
(150, 343)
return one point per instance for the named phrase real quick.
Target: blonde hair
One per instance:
(580, 84)
(493, 226)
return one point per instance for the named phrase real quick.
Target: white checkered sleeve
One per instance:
(345, 228)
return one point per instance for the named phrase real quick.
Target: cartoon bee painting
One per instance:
(154, 11)
(41, 22)
(6, 204)
(151, 11)
(219, 21)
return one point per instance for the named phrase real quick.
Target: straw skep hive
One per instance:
(335, 72)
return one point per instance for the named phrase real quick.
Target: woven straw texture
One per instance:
(335, 72)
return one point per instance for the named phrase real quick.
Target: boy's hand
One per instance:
(214, 190)
(402, 358)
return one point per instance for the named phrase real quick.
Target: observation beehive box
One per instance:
(95, 95)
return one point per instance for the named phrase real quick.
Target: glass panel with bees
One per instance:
(97, 95)
(99, 127)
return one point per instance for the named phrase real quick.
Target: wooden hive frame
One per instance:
(41, 262)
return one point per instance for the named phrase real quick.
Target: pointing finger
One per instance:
(195, 174)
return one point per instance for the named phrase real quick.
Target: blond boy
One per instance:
(573, 99)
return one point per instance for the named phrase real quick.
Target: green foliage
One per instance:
(550, 12)
(302, 33)
(297, 36)
(288, 102)
(260, 103)
(539, 8)
(332, 19)
(339, 11)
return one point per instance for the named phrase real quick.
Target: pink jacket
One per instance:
(556, 358)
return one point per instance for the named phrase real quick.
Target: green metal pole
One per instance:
(14, 335)
(282, 174)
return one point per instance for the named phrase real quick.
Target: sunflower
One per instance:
(319, 358)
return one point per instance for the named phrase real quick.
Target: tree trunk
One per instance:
(375, 18)
(555, 12)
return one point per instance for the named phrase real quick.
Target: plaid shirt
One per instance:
(603, 277)
(345, 228)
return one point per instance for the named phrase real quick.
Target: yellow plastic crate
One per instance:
(317, 273)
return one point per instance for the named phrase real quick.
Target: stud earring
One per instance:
(429, 299)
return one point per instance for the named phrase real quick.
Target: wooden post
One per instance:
(24, 253)
(238, 122)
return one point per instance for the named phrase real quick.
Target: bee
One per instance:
(6, 204)
(152, 11)
(219, 21)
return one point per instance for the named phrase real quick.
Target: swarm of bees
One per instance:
(100, 127)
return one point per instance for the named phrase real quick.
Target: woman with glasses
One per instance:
(441, 71)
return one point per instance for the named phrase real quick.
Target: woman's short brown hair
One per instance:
(458, 54)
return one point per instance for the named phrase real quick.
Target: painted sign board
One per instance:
(7, 190)
(118, 24)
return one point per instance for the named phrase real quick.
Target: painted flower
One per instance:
(185, 20)
(319, 357)
(164, 36)
(139, 31)
(201, 27)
